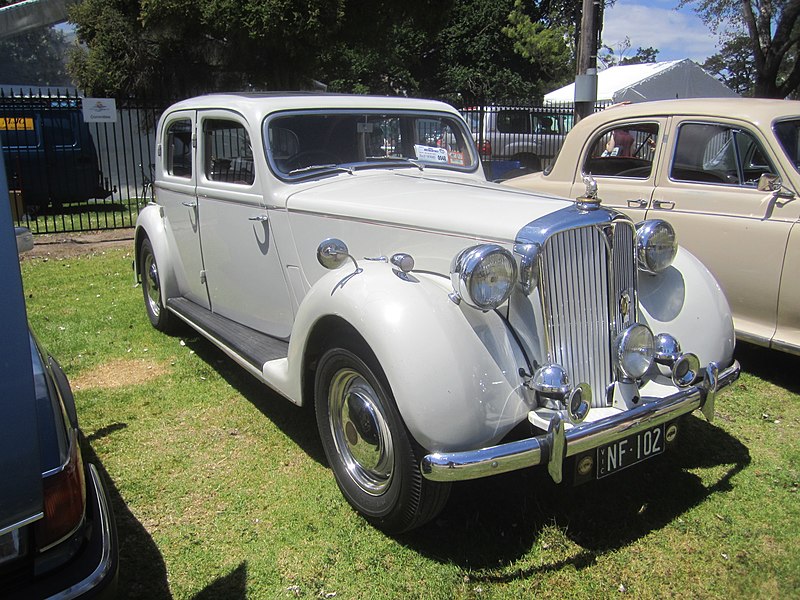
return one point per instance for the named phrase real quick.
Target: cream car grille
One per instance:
(588, 293)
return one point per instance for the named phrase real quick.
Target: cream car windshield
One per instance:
(788, 134)
(308, 144)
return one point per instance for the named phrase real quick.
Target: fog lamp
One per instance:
(634, 350)
(685, 370)
(578, 403)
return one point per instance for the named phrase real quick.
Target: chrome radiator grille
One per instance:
(587, 282)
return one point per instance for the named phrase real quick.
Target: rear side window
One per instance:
(227, 152)
(716, 153)
(178, 148)
(623, 150)
(514, 121)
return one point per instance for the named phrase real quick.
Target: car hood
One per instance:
(448, 204)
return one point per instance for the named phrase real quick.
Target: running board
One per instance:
(249, 345)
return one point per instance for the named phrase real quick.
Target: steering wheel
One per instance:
(310, 157)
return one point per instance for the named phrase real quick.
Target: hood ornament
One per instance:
(589, 201)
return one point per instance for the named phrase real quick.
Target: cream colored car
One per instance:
(724, 173)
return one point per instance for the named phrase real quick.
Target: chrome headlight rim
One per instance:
(471, 264)
(634, 351)
(656, 246)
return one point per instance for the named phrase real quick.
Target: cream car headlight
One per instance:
(634, 350)
(483, 276)
(655, 245)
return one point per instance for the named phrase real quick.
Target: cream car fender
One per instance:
(686, 301)
(150, 224)
(453, 370)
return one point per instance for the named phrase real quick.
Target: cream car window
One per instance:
(178, 155)
(623, 150)
(228, 154)
(715, 153)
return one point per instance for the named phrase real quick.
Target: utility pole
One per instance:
(586, 76)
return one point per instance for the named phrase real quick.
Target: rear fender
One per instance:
(150, 225)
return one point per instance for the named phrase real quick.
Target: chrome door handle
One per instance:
(190, 204)
(665, 204)
(259, 218)
(638, 203)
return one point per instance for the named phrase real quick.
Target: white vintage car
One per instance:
(443, 327)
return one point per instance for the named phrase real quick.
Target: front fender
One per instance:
(150, 224)
(453, 370)
(687, 302)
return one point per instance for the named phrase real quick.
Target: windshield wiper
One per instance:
(383, 160)
(330, 167)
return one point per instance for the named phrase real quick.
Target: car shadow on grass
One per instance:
(493, 522)
(297, 422)
(779, 368)
(142, 571)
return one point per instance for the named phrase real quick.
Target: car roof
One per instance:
(262, 103)
(748, 109)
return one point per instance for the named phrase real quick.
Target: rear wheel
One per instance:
(151, 288)
(373, 457)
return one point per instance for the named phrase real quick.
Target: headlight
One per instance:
(483, 276)
(634, 350)
(655, 245)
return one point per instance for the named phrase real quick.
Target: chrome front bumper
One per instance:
(559, 443)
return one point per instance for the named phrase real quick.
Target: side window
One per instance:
(624, 150)
(178, 149)
(227, 152)
(514, 121)
(546, 124)
(714, 153)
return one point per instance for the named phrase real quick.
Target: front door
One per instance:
(245, 275)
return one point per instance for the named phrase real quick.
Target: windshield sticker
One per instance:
(431, 155)
(456, 158)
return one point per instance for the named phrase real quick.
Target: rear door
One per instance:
(176, 189)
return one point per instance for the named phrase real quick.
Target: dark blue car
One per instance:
(57, 533)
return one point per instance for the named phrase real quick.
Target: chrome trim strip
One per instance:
(103, 526)
(20, 524)
(473, 464)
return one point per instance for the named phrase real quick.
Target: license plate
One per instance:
(628, 451)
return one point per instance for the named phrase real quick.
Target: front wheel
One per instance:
(373, 457)
(151, 288)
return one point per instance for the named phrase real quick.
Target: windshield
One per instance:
(788, 134)
(306, 144)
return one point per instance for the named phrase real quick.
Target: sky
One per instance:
(676, 34)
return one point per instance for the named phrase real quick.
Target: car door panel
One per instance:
(738, 232)
(177, 193)
(243, 269)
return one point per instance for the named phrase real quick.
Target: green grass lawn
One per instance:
(221, 489)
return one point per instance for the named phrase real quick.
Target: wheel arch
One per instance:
(150, 225)
(452, 370)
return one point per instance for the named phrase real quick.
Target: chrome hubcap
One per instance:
(152, 284)
(360, 431)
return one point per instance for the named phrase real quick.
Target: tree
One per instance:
(34, 58)
(734, 65)
(772, 33)
(612, 56)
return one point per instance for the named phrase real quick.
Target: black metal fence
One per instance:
(67, 174)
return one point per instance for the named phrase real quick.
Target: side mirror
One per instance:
(24, 239)
(769, 182)
(332, 252)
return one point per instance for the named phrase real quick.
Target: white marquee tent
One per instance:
(649, 81)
